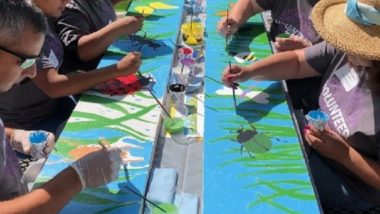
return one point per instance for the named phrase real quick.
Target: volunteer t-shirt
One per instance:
(353, 108)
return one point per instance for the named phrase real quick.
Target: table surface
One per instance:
(274, 179)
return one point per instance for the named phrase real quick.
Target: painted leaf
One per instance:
(160, 5)
(259, 144)
(145, 9)
(87, 198)
(115, 50)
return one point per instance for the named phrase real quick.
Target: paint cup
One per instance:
(177, 97)
(317, 119)
(192, 33)
(194, 83)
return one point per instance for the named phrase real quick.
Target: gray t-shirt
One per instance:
(82, 17)
(25, 105)
(291, 16)
(353, 107)
(11, 182)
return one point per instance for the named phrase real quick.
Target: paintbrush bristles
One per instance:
(103, 142)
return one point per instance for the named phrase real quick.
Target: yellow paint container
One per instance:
(192, 33)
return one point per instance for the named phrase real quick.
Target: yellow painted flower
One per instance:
(163, 6)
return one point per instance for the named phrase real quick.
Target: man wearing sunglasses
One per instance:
(45, 103)
(22, 34)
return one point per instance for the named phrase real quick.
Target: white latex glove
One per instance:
(98, 168)
(38, 144)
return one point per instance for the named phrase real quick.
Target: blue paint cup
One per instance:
(317, 119)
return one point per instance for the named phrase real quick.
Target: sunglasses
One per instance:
(26, 61)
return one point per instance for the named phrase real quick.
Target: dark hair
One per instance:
(18, 15)
(374, 77)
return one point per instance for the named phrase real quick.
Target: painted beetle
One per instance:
(253, 141)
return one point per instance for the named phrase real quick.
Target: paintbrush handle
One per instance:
(143, 197)
(159, 103)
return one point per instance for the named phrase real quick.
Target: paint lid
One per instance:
(177, 87)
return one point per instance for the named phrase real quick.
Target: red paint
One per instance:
(120, 86)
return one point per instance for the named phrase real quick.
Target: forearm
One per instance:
(57, 85)
(50, 198)
(93, 45)
(282, 66)
(243, 10)
(367, 169)
(115, 2)
(9, 132)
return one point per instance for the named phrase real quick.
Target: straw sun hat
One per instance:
(352, 26)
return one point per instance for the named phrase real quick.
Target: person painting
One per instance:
(45, 104)
(86, 29)
(344, 159)
(22, 34)
(290, 17)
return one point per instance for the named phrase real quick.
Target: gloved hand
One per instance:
(38, 144)
(98, 168)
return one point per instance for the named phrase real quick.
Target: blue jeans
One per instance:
(332, 189)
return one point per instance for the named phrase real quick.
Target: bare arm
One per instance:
(58, 85)
(237, 16)
(280, 66)
(9, 132)
(367, 169)
(244, 9)
(283, 66)
(332, 145)
(115, 2)
(50, 198)
(92, 45)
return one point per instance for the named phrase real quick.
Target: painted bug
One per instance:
(253, 141)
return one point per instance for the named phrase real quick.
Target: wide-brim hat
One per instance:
(332, 24)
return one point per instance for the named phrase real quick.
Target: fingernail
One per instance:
(307, 127)
(229, 78)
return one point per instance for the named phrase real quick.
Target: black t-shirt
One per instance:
(82, 17)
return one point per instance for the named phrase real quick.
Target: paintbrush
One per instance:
(54, 144)
(138, 194)
(142, 13)
(191, 18)
(104, 143)
(159, 103)
(233, 87)
(228, 27)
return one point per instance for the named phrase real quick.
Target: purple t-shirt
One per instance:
(353, 108)
(12, 183)
(292, 17)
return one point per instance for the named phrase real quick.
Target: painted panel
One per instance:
(126, 120)
(253, 162)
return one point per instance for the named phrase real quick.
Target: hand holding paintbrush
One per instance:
(234, 86)
(228, 25)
